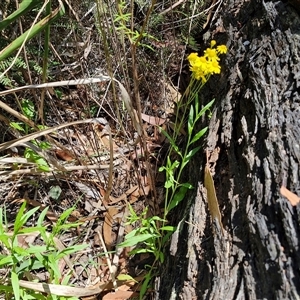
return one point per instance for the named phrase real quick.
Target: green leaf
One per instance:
(188, 157)
(28, 108)
(19, 221)
(17, 126)
(132, 233)
(28, 265)
(71, 250)
(6, 260)
(172, 142)
(191, 120)
(205, 108)
(145, 285)
(65, 215)
(166, 236)
(141, 250)
(37, 249)
(125, 277)
(178, 197)
(22, 218)
(168, 184)
(37, 159)
(161, 257)
(42, 217)
(187, 185)
(15, 285)
(156, 218)
(44, 168)
(133, 241)
(198, 135)
(168, 228)
(192, 152)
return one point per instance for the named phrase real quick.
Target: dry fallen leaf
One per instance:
(153, 120)
(107, 226)
(120, 295)
(64, 155)
(213, 204)
(293, 198)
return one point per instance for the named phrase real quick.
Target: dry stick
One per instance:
(17, 114)
(111, 166)
(121, 231)
(112, 273)
(142, 133)
(66, 169)
(97, 79)
(138, 103)
(61, 290)
(171, 7)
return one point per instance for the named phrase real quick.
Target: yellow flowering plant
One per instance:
(202, 67)
(154, 232)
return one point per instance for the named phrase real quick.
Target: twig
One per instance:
(112, 273)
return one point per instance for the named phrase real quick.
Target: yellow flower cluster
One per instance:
(208, 64)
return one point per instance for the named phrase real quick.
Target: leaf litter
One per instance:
(80, 167)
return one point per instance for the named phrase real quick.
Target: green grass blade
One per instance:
(24, 7)
(136, 239)
(15, 285)
(30, 33)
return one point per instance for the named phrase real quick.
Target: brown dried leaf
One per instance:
(64, 155)
(27, 239)
(213, 204)
(293, 198)
(153, 120)
(107, 226)
(120, 295)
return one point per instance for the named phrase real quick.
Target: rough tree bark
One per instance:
(255, 132)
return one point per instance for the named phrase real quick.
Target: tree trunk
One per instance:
(255, 135)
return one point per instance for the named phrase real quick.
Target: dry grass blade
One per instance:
(61, 290)
(60, 246)
(66, 169)
(111, 270)
(35, 135)
(100, 78)
(130, 109)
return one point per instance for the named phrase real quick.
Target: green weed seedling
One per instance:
(21, 261)
(28, 110)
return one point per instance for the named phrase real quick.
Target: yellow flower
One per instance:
(215, 67)
(192, 58)
(211, 54)
(202, 67)
(222, 49)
